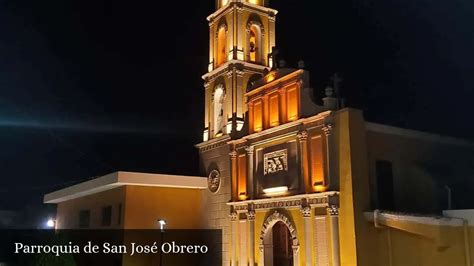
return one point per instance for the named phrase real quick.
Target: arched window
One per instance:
(219, 99)
(254, 39)
(221, 45)
(253, 44)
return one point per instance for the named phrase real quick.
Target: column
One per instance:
(233, 238)
(271, 35)
(231, 91)
(250, 181)
(306, 211)
(240, 88)
(251, 222)
(243, 242)
(321, 237)
(250, 114)
(233, 158)
(333, 212)
(328, 182)
(303, 137)
(211, 47)
(296, 255)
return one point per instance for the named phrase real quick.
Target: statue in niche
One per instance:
(219, 99)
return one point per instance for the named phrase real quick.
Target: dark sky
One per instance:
(92, 87)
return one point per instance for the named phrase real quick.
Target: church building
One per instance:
(290, 179)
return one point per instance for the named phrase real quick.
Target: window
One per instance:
(274, 106)
(107, 216)
(242, 177)
(119, 216)
(254, 43)
(317, 160)
(385, 195)
(257, 116)
(292, 102)
(221, 46)
(84, 218)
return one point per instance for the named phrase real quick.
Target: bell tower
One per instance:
(241, 35)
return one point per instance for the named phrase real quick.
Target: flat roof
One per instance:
(410, 133)
(119, 179)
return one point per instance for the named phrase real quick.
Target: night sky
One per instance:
(92, 87)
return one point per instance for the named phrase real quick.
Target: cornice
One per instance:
(302, 121)
(275, 82)
(213, 143)
(242, 5)
(231, 64)
(409, 133)
(324, 199)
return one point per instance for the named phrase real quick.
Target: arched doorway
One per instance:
(279, 245)
(282, 245)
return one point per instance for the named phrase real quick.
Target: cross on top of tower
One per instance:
(336, 81)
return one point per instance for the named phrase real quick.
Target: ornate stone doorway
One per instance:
(279, 245)
(282, 245)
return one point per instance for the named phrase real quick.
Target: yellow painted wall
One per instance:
(67, 216)
(417, 185)
(354, 186)
(142, 207)
(400, 248)
(181, 208)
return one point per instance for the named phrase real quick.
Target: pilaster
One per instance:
(302, 139)
(333, 212)
(306, 212)
(251, 224)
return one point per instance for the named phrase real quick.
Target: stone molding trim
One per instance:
(271, 220)
(325, 199)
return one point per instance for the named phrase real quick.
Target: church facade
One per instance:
(296, 183)
(290, 181)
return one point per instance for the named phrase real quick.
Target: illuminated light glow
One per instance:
(51, 223)
(224, 2)
(240, 125)
(270, 77)
(255, 2)
(221, 46)
(240, 55)
(270, 62)
(242, 196)
(275, 191)
(218, 135)
(319, 188)
(205, 135)
(229, 127)
(162, 224)
(210, 67)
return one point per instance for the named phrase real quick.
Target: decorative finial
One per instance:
(336, 80)
(329, 91)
